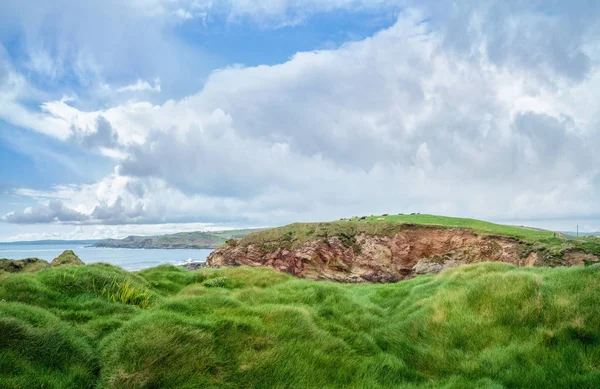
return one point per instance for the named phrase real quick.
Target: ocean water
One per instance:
(128, 259)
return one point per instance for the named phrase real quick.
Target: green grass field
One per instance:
(486, 326)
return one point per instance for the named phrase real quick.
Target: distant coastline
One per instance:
(83, 242)
(110, 245)
(201, 240)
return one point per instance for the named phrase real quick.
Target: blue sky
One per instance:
(158, 116)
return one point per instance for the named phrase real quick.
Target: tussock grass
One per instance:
(489, 325)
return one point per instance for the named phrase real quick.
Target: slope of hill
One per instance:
(391, 248)
(182, 240)
(489, 325)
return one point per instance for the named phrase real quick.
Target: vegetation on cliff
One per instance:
(398, 247)
(388, 225)
(23, 265)
(181, 240)
(30, 265)
(489, 325)
(550, 244)
(68, 257)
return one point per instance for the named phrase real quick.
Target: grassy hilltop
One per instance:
(478, 226)
(487, 326)
(390, 224)
(552, 244)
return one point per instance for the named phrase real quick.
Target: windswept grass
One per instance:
(487, 326)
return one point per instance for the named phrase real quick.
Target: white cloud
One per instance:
(141, 86)
(55, 211)
(269, 13)
(404, 121)
(67, 232)
(183, 14)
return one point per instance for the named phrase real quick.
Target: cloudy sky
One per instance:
(154, 116)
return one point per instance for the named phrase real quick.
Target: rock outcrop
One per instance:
(193, 265)
(402, 254)
(68, 257)
(29, 265)
(26, 265)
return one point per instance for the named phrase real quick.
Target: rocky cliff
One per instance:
(388, 254)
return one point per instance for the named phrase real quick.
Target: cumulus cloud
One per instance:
(29, 232)
(410, 119)
(118, 199)
(55, 211)
(102, 136)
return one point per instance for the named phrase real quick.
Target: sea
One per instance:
(128, 259)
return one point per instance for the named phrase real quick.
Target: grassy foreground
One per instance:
(487, 326)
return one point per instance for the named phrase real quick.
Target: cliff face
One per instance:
(409, 252)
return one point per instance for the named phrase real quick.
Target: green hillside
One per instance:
(551, 244)
(387, 225)
(486, 326)
(479, 226)
(181, 240)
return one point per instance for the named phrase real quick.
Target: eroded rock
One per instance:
(376, 259)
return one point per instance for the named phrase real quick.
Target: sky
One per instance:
(157, 116)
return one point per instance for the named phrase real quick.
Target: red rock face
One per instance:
(374, 259)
